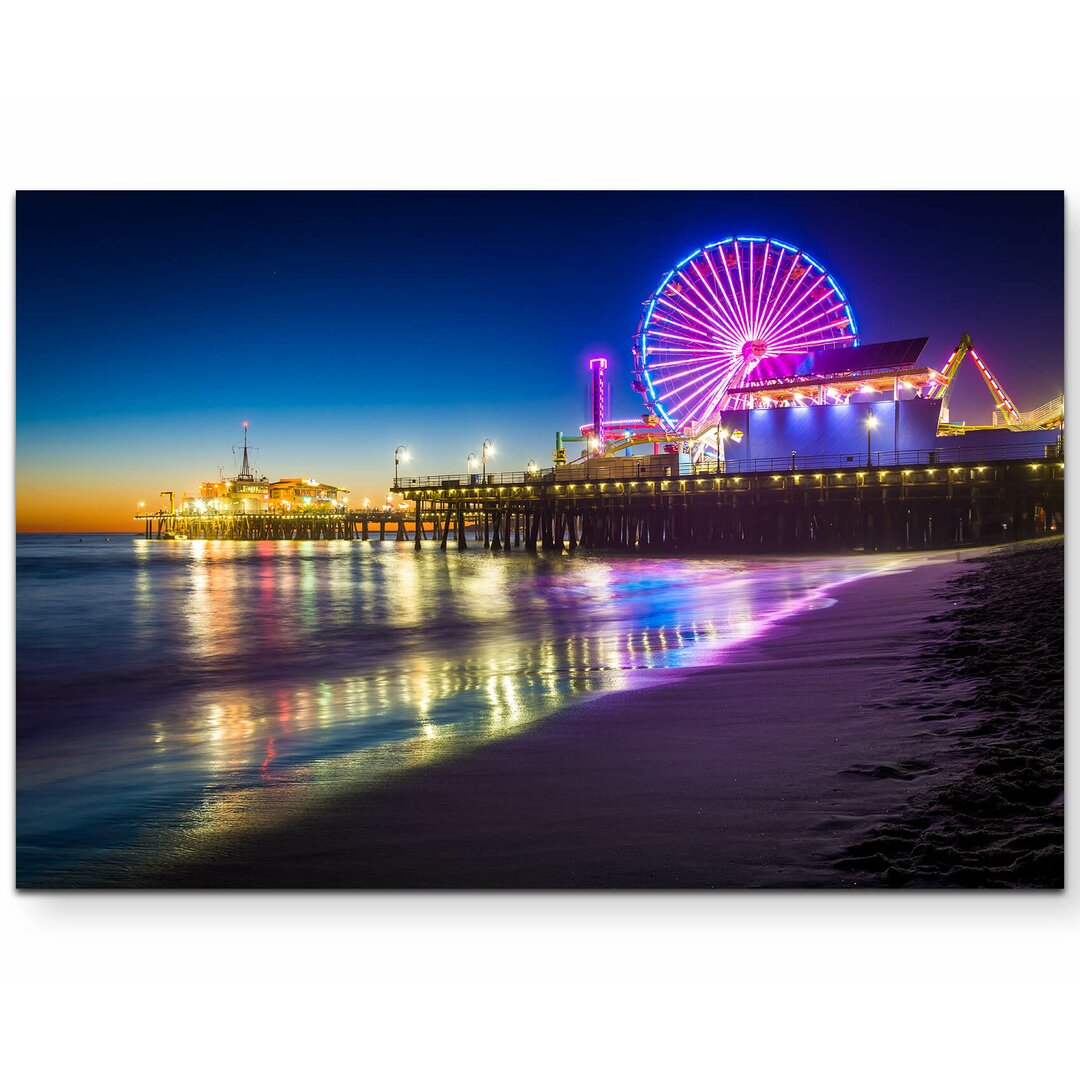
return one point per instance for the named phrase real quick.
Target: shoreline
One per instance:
(708, 777)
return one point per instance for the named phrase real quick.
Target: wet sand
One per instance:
(775, 768)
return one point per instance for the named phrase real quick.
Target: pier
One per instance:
(343, 525)
(376, 525)
(896, 502)
(885, 502)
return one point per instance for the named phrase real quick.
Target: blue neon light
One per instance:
(652, 396)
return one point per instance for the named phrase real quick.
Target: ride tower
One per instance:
(598, 391)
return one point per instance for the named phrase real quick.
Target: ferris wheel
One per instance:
(720, 312)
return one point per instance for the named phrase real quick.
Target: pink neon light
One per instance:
(722, 311)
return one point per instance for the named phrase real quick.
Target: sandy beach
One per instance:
(993, 679)
(720, 777)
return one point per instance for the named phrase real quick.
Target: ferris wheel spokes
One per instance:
(721, 311)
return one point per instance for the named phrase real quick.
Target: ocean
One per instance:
(170, 691)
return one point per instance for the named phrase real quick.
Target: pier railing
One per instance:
(358, 513)
(501, 479)
(877, 459)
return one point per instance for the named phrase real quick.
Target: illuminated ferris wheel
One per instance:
(723, 310)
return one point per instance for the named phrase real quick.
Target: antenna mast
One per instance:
(245, 471)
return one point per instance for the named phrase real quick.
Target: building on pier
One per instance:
(247, 495)
(244, 493)
(870, 403)
(306, 494)
(229, 496)
(294, 494)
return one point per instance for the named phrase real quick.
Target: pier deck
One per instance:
(906, 501)
(923, 499)
(348, 525)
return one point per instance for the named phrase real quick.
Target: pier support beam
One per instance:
(446, 527)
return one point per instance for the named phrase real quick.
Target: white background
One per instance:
(563, 95)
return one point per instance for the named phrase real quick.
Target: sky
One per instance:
(150, 325)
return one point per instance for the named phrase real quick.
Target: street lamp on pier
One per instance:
(471, 465)
(871, 423)
(401, 453)
(486, 449)
(592, 444)
(721, 435)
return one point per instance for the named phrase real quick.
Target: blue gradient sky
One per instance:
(341, 324)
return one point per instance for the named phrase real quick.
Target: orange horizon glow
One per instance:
(72, 508)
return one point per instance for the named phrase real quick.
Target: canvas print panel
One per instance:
(540, 540)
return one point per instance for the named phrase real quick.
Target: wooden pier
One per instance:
(849, 505)
(896, 502)
(353, 525)
(350, 525)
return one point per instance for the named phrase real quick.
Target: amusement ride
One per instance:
(752, 322)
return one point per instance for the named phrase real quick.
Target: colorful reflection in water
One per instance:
(168, 692)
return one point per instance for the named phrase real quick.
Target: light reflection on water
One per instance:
(210, 686)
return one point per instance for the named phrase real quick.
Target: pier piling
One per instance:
(888, 507)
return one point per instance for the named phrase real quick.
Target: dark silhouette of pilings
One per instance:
(871, 510)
